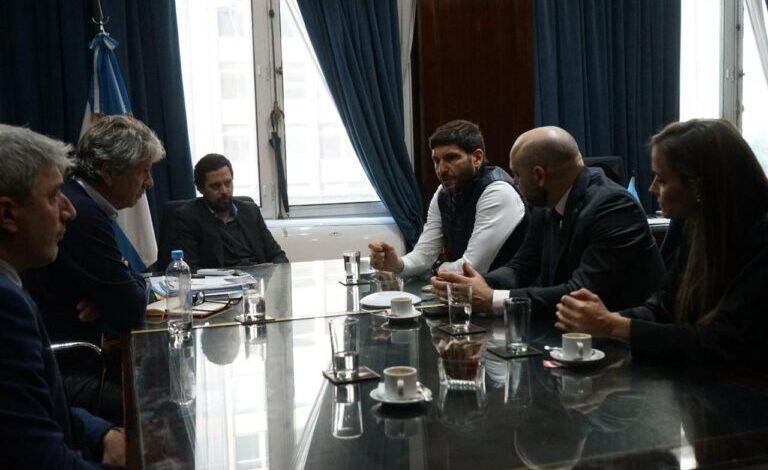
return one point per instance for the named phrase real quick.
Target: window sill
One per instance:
(326, 221)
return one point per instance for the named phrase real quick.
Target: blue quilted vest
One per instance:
(457, 212)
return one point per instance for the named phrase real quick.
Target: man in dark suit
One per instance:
(217, 230)
(592, 233)
(37, 427)
(90, 290)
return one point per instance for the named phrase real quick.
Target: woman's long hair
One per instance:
(731, 191)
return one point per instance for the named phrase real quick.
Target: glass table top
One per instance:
(304, 290)
(255, 397)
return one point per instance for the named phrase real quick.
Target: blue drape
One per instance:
(358, 47)
(609, 73)
(46, 66)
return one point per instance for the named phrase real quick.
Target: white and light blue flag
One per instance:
(107, 96)
(632, 188)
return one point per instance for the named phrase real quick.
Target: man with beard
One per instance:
(592, 234)
(476, 215)
(217, 230)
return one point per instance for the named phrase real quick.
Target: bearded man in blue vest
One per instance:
(475, 216)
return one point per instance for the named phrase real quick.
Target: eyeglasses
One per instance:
(199, 298)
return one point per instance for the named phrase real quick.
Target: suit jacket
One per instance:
(37, 428)
(735, 336)
(605, 246)
(193, 228)
(89, 266)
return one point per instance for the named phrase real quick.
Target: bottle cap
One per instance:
(177, 254)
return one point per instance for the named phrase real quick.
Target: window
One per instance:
(231, 20)
(754, 117)
(729, 83)
(229, 49)
(699, 66)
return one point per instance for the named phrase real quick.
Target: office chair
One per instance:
(164, 239)
(90, 347)
(612, 166)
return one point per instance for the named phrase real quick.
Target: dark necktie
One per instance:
(553, 242)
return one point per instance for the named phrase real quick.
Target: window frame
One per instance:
(731, 68)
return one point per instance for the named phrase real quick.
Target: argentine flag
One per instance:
(632, 188)
(107, 96)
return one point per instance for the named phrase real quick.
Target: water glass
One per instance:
(459, 306)
(352, 265)
(345, 346)
(254, 304)
(517, 323)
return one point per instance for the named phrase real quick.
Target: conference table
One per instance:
(254, 396)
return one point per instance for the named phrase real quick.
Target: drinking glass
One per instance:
(254, 302)
(345, 346)
(459, 306)
(352, 265)
(517, 322)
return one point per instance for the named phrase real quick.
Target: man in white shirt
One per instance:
(592, 234)
(475, 216)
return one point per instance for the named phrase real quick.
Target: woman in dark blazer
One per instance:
(712, 308)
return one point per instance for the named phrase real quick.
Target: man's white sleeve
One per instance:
(499, 210)
(430, 243)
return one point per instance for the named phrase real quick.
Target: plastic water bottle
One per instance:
(178, 282)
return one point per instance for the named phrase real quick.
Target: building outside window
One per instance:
(235, 70)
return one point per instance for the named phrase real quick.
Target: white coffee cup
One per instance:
(401, 306)
(400, 382)
(577, 346)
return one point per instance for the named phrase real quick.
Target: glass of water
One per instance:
(459, 306)
(517, 322)
(345, 346)
(352, 265)
(254, 304)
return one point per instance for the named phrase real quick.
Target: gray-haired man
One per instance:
(90, 289)
(37, 428)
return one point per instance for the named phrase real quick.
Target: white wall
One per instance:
(316, 239)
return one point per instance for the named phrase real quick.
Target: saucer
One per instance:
(412, 315)
(384, 299)
(595, 355)
(424, 394)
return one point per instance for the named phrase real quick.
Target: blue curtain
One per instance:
(609, 73)
(45, 71)
(357, 46)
